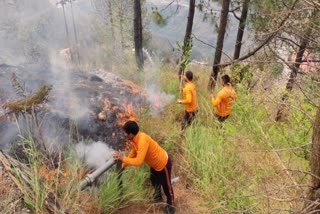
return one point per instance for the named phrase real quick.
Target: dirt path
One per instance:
(185, 202)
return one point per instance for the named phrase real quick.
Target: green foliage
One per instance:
(112, 195)
(211, 158)
(240, 72)
(166, 82)
(34, 190)
(233, 166)
(110, 192)
(186, 49)
(276, 68)
(157, 17)
(228, 162)
(207, 9)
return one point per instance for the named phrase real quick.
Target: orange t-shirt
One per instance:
(145, 149)
(224, 100)
(189, 97)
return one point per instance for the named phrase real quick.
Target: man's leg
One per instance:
(165, 179)
(185, 120)
(157, 196)
(221, 118)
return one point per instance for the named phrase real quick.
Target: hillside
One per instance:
(72, 73)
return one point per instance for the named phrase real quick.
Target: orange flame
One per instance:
(107, 104)
(127, 115)
(156, 103)
(124, 113)
(49, 175)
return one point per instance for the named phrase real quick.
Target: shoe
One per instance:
(168, 209)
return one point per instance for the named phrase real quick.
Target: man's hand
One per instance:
(179, 101)
(211, 96)
(117, 155)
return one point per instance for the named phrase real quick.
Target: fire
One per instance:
(128, 114)
(107, 104)
(50, 175)
(124, 112)
(156, 101)
(133, 88)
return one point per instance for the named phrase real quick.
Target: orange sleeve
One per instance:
(217, 101)
(137, 159)
(131, 154)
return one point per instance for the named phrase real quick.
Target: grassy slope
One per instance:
(249, 164)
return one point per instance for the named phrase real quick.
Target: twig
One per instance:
(279, 158)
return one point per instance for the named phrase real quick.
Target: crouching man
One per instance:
(145, 149)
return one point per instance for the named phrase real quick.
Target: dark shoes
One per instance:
(168, 209)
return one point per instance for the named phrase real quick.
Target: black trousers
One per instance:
(163, 178)
(221, 118)
(188, 117)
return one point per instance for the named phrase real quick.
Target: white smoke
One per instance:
(94, 154)
(157, 98)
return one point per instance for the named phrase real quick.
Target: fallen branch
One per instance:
(22, 105)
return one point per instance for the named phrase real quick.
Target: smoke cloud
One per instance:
(94, 154)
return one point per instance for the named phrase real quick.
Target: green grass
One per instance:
(228, 163)
(250, 163)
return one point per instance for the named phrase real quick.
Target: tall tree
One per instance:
(121, 22)
(111, 22)
(219, 46)
(312, 206)
(242, 24)
(137, 26)
(302, 47)
(187, 42)
(117, 16)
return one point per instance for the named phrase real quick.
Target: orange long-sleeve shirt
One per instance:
(189, 97)
(145, 149)
(224, 100)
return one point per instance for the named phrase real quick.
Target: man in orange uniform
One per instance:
(145, 149)
(224, 99)
(189, 100)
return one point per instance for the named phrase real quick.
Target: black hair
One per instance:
(131, 127)
(189, 75)
(226, 79)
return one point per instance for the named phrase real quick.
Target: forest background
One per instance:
(263, 159)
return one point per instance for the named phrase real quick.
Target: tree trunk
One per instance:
(111, 23)
(138, 33)
(219, 46)
(121, 8)
(314, 193)
(67, 32)
(187, 36)
(294, 73)
(242, 25)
